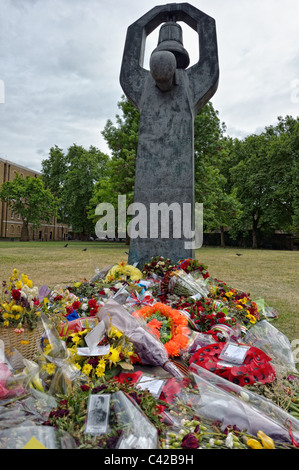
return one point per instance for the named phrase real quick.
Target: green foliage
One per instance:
(265, 178)
(72, 178)
(29, 198)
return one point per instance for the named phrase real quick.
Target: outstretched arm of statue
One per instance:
(204, 75)
(132, 74)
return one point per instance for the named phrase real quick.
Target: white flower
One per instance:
(229, 441)
(84, 307)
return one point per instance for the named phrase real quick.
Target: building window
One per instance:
(12, 214)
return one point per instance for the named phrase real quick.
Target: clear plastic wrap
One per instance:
(138, 431)
(150, 349)
(182, 283)
(56, 371)
(266, 337)
(221, 400)
(35, 437)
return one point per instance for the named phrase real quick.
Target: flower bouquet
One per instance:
(149, 350)
(184, 285)
(253, 367)
(123, 271)
(109, 415)
(20, 310)
(222, 402)
(113, 352)
(167, 325)
(194, 266)
(158, 266)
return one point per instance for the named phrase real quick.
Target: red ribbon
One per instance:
(294, 442)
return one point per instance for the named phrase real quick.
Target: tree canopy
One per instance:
(29, 198)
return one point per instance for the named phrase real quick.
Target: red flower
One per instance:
(92, 303)
(76, 304)
(16, 294)
(190, 441)
(69, 309)
(85, 387)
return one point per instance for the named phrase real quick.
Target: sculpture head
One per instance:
(163, 65)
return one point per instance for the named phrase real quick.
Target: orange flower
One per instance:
(178, 325)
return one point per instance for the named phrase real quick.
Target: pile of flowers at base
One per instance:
(20, 304)
(167, 324)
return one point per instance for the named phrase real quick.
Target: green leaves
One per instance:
(29, 198)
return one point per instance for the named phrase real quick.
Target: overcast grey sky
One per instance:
(60, 62)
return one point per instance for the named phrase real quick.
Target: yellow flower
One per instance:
(100, 370)
(266, 440)
(113, 355)
(252, 319)
(30, 283)
(24, 341)
(5, 316)
(24, 278)
(76, 339)
(17, 308)
(46, 300)
(254, 444)
(77, 284)
(115, 332)
(6, 323)
(15, 273)
(19, 284)
(86, 369)
(50, 368)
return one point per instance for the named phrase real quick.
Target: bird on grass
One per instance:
(65, 245)
(84, 249)
(239, 254)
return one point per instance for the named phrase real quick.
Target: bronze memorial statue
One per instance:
(168, 97)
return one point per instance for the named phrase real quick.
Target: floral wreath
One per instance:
(169, 325)
(123, 271)
(255, 368)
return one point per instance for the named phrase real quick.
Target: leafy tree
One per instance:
(266, 178)
(72, 178)
(212, 159)
(119, 176)
(29, 198)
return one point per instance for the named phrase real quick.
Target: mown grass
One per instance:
(268, 274)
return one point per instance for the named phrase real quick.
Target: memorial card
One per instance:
(97, 414)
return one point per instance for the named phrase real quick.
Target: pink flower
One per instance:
(19, 330)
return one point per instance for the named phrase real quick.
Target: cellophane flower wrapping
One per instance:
(182, 283)
(150, 350)
(57, 371)
(35, 437)
(222, 400)
(273, 342)
(137, 431)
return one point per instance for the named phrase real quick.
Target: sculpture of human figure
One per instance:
(168, 97)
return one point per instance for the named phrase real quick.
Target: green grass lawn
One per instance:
(268, 274)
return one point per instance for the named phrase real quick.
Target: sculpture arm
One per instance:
(204, 75)
(132, 74)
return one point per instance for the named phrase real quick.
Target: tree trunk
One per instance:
(254, 233)
(222, 241)
(25, 232)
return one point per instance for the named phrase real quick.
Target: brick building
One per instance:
(11, 223)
